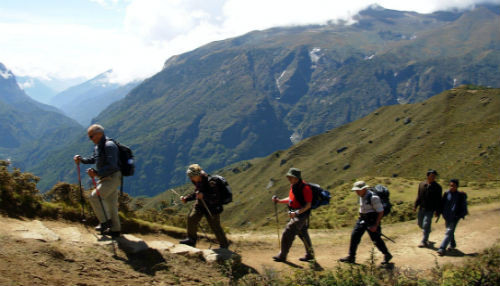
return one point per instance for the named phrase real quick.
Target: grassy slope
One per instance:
(455, 132)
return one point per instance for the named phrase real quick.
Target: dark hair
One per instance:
(455, 181)
(431, 171)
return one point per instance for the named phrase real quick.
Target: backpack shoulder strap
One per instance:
(300, 195)
(370, 195)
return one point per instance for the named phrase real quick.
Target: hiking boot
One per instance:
(225, 246)
(103, 227)
(452, 248)
(307, 257)
(188, 241)
(114, 234)
(423, 244)
(278, 258)
(441, 252)
(387, 258)
(348, 259)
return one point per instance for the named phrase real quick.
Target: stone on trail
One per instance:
(36, 230)
(131, 244)
(71, 234)
(186, 250)
(220, 255)
(160, 245)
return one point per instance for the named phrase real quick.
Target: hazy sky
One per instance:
(64, 39)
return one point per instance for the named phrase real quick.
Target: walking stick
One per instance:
(277, 222)
(211, 218)
(388, 237)
(175, 192)
(205, 205)
(82, 201)
(100, 200)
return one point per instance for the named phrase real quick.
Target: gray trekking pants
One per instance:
(107, 188)
(298, 225)
(425, 222)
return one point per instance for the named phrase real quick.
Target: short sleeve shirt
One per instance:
(375, 206)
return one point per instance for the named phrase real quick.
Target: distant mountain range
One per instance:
(86, 100)
(36, 89)
(249, 96)
(29, 130)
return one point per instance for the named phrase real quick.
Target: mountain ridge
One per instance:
(246, 97)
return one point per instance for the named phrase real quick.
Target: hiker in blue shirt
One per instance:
(454, 207)
(104, 198)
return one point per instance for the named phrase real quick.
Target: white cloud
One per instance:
(27, 84)
(154, 30)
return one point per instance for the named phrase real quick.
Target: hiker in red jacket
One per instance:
(299, 201)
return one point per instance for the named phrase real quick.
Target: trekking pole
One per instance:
(437, 219)
(206, 236)
(100, 200)
(206, 207)
(277, 221)
(388, 237)
(82, 201)
(175, 192)
(211, 218)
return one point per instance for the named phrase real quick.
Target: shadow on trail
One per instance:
(291, 264)
(457, 253)
(314, 265)
(147, 261)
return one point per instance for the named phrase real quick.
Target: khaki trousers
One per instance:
(107, 187)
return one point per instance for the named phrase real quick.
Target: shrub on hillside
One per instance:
(65, 193)
(18, 192)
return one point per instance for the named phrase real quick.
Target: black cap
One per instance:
(431, 171)
(455, 181)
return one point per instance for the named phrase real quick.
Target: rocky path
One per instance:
(34, 252)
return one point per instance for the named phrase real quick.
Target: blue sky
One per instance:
(82, 38)
(82, 12)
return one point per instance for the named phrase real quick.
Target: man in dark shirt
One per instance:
(429, 201)
(454, 206)
(208, 204)
(299, 201)
(107, 170)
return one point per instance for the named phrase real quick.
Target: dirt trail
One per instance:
(478, 231)
(36, 252)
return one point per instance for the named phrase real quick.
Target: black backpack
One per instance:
(125, 159)
(225, 194)
(320, 196)
(383, 193)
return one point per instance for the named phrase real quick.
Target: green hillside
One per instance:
(248, 96)
(455, 132)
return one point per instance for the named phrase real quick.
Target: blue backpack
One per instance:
(321, 196)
